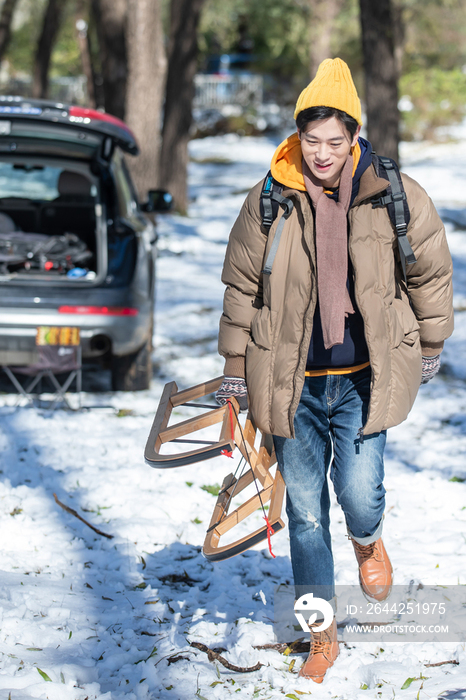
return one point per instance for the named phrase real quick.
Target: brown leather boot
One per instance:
(324, 650)
(375, 569)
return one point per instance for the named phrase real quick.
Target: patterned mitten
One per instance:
(430, 367)
(233, 386)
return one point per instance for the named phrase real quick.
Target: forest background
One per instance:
(408, 59)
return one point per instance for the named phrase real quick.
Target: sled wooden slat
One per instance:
(276, 500)
(191, 425)
(160, 434)
(197, 392)
(258, 462)
(244, 510)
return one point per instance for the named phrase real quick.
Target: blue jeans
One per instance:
(331, 411)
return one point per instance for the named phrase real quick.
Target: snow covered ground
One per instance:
(85, 616)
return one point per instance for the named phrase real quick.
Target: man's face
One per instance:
(325, 145)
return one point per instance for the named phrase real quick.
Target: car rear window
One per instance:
(29, 181)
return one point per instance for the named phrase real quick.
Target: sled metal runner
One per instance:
(269, 488)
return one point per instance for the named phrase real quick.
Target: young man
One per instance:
(328, 343)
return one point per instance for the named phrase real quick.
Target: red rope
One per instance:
(229, 453)
(269, 533)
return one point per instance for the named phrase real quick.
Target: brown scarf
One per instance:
(332, 252)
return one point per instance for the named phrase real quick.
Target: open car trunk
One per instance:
(52, 214)
(51, 223)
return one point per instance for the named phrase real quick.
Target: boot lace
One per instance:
(367, 551)
(320, 642)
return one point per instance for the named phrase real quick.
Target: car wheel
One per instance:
(133, 372)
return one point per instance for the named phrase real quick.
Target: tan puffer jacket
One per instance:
(268, 319)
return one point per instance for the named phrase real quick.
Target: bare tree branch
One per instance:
(442, 663)
(214, 656)
(76, 515)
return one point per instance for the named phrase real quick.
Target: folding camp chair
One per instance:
(58, 353)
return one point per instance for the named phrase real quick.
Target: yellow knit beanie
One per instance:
(332, 87)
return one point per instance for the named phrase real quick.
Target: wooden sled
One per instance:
(232, 435)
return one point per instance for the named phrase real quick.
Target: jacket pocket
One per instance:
(261, 327)
(403, 325)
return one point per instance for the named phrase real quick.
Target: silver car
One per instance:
(76, 247)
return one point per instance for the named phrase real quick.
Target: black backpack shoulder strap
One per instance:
(397, 206)
(268, 205)
(270, 199)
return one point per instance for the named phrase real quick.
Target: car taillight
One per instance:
(85, 113)
(99, 310)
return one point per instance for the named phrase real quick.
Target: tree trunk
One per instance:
(380, 76)
(50, 26)
(399, 34)
(322, 18)
(144, 88)
(179, 94)
(83, 43)
(5, 24)
(110, 21)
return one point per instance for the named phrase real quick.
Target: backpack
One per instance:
(394, 199)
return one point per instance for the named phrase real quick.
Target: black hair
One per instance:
(314, 114)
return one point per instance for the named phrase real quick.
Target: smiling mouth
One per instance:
(322, 167)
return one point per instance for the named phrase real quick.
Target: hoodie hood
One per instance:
(287, 162)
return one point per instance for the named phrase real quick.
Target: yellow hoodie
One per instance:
(287, 162)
